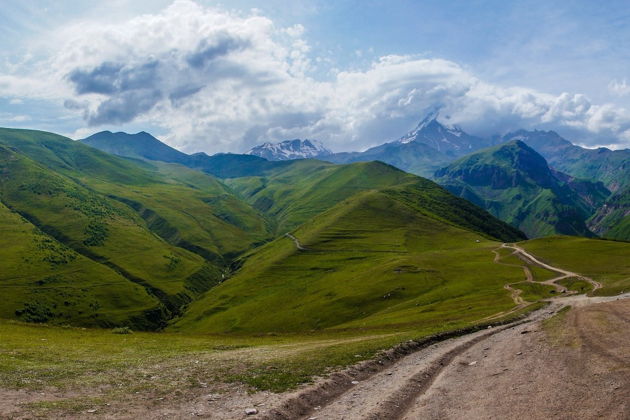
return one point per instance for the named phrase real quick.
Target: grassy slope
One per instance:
(164, 227)
(373, 261)
(605, 261)
(296, 193)
(305, 188)
(42, 278)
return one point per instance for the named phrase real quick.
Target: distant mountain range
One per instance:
(558, 188)
(291, 149)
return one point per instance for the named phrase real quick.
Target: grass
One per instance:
(576, 285)
(373, 262)
(300, 191)
(533, 292)
(607, 262)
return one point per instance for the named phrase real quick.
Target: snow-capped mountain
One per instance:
(449, 140)
(428, 147)
(291, 149)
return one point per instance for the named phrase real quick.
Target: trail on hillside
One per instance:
(564, 274)
(295, 240)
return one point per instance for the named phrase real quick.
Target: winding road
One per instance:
(526, 256)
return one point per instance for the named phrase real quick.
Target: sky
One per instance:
(217, 76)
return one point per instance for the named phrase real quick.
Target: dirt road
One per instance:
(576, 367)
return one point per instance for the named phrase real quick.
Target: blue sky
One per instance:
(351, 73)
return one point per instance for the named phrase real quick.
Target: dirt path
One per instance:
(575, 367)
(551, 282)
(298, 245)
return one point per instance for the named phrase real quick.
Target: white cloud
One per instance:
(219, 81)
(619, 88)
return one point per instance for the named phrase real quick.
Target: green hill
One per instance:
(303, 189)
(515, 184)
(163, 234)
(166, 228)
(379, 258)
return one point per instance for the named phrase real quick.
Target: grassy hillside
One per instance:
(371, 261)
(305, 188)
(43, 280)
(165, 228)
(607, 262)
(515, 184)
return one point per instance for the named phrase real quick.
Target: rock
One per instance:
(251, 411)
(472, 363)
(519, 353)
(355, 382)
(524, 332)
(93, 410)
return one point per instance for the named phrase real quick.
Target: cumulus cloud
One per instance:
(222, 81)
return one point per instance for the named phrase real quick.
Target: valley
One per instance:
(197, 285)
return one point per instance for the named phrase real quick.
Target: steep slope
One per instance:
(378, 259)
(164, 227)
(612, 167)
(303, 189)
(430, 146)
(290, 149)
(514, 183)
(43, 280)
(612, 220)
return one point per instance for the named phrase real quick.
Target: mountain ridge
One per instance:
(514, 182)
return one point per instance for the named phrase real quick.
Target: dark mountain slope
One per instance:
(612, 220)
(612, 167)
(514, 183)
(140, 145)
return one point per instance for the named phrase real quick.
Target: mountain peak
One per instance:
(449, 140)
(141, 145)
(290, 149)
(431, 117)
